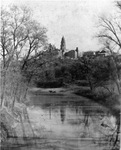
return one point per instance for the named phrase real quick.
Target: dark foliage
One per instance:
(50, 84)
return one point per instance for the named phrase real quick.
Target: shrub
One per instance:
(51, 84)
(81, 83)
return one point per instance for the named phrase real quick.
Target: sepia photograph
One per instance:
(60, 74)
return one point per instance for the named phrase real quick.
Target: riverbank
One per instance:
(52, 91)
(68, 89)
(109, 100)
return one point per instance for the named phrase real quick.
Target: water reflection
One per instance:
(69, 117)
(62, 113)
(68, 123)
(50, 109)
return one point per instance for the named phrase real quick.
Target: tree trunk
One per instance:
(3, 82)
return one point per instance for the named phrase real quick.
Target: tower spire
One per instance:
(63, 44)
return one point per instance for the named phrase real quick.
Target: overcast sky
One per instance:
(73, 19)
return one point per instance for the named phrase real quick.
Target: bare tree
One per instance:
(21, 36)
(11, 38)
(110, 36)
(36, 39)
(13, 33)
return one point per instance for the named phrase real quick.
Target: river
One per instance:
(68, 122)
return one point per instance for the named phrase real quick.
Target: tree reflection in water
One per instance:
(62, 113)
(92, 120)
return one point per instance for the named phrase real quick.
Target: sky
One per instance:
(76, 20)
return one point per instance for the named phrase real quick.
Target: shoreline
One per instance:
(51, 91)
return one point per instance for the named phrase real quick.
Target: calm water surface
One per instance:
(70, 122)
(65, 122)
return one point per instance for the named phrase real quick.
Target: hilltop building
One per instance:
(102, 53)
(93, 54)
(65, 53)
(88, 54)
